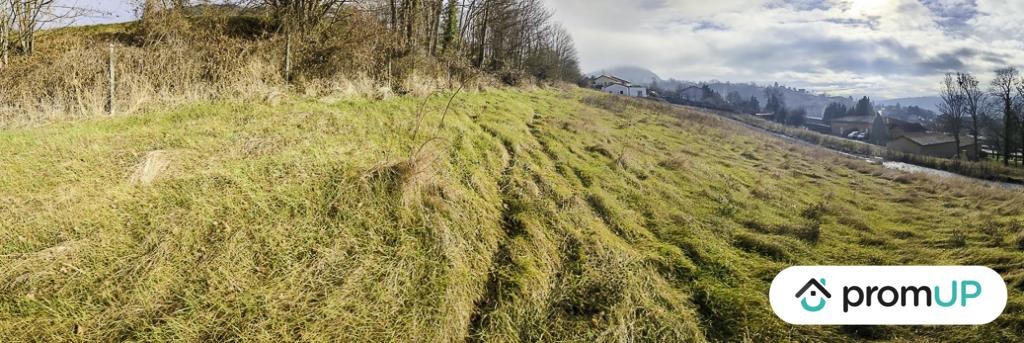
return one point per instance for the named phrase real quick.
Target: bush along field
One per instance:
(515, 215)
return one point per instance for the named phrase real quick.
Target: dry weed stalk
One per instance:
(437, 132)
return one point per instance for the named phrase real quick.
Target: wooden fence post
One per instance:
(288, 57)
(110, 80)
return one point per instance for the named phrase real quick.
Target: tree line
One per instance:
(836, 110)
(514, 39)
(992, 116)
(507, 37)
(709, 98)
(775, 103)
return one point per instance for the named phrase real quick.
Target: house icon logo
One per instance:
(820, 288)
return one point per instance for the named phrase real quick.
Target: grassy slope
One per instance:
(989, 169)
(535, 215)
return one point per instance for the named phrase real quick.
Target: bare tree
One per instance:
(1019, 110)
(1002, 88)
(26, 17)
(300, 15)
(563, 49)
(952, 107)
(6, 24)
(506, 36)
(29, 17)
(451, 28)
(992, 125)
(974, 99)
(150, 7)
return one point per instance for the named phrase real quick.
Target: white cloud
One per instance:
(876, 47)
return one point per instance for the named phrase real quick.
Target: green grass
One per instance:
(543, 215)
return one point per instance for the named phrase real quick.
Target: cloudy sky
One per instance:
(882, 48)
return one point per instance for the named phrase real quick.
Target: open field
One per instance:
(533, 215)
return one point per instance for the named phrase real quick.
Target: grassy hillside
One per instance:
(541, 215)
(987, 169)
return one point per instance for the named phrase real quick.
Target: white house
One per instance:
(613, 85)
(621, 89)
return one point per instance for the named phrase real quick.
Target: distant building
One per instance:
(845, 125)
(932, 144)
(615, 85)
(628, 90)
(817, 125)
(881, 134)
(603, 81)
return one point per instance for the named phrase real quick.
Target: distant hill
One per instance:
(632, 74)
(641, 76)
(925, 102)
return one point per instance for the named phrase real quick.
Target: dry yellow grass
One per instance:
(210, 58)
(312, 220)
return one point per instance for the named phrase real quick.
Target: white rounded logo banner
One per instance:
(888, 295)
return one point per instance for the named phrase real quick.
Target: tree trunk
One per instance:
(451, 32)
(288, 57)
(410, 23)
(956, 137)
(1007, 127)
(4, 32)
(437, 21)
(3, 49)
(394, 14)
(1021, 133)
(483, 40)
(977, 150)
